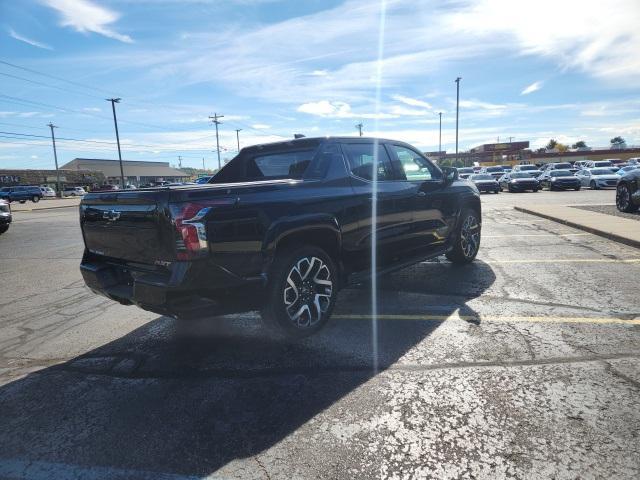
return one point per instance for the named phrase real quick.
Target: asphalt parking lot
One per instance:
(525, 364)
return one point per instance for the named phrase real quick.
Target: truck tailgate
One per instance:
(131, 226)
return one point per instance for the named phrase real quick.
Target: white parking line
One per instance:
(538, 235)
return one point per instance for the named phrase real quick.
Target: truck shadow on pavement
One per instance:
(161, 399)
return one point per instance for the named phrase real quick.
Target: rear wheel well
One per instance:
(324, 238)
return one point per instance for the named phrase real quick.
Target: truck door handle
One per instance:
(421, 194)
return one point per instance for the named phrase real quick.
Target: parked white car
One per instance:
(48, 192)
(600, 163)
(596, 178)
(73, 191)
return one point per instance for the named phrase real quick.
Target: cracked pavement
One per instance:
(525, 364)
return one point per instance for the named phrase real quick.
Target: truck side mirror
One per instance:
(449, 175)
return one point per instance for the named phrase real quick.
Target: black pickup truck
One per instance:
(280, 229)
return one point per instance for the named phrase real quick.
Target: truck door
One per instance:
(434, 205)
(387, 198)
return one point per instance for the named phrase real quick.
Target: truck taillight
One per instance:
(189, 220)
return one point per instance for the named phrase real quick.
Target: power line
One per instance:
(60, 79)
(47, 85)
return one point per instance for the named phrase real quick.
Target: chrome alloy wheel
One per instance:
(623, 197)
(307, 292)
(470, 236)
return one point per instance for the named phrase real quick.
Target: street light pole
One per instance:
(440, 135)
(238, 130)
(217, 122)
(115, 122)
(457, 112)
(55, 157)
(359, 127)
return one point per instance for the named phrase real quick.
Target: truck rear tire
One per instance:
(467, 238)
(301, 293)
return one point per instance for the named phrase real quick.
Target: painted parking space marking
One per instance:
(566, 260)
(539, 235)
(496, 318)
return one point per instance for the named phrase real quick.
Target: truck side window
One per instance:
(415, 166)
(361, 160)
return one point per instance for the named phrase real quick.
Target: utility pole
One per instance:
(359, 127)
(115, 122)
(55, 157)
(179, 161)
(457, 112)
(217, 122)
(440, 134)
(203, 164)
(511, 138)
(238, 130)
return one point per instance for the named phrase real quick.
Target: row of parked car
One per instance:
(594, 174)
(22, 193)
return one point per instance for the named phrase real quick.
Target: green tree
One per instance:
(552, 144)
(618, 142)
(579, 144)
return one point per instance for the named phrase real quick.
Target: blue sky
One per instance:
(531, 69)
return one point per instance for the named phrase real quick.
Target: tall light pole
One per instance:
(115, 122)
(217, 122)
(457, 112)
(238, 130)
(359, 127)
(440, 135)
(55, 157)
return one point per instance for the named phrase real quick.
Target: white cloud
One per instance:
(34, 156)
(92, 109)
(22, 38)
(599, 38)
(319, 73)
(534, 87)
(411, 101)
(324, 108)
(85, 16)
(260, 126)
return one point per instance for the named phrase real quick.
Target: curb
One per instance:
(632, 242)
(43, 208)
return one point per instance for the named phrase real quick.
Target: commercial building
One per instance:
(136, 172)
(513, 153)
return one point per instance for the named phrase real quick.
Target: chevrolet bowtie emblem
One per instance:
(111, 215)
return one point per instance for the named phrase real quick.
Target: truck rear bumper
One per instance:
(171, 293)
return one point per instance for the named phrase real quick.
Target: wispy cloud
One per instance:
(411, 101)
(86, 16)
(534, 87)
(324, 108)
(600, 40)
(33, 43)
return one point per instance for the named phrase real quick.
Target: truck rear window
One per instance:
(279, 165)
(280, 161)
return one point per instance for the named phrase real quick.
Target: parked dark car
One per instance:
(5, 216)
(21, 193)
(485, 182)
(205, 179)
(280, 229)
(628, 192)
(518, 182)
(559, 180)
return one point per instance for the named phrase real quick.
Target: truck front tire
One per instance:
(301, 293)
(467, 238)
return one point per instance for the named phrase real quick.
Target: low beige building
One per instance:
(136, 172)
